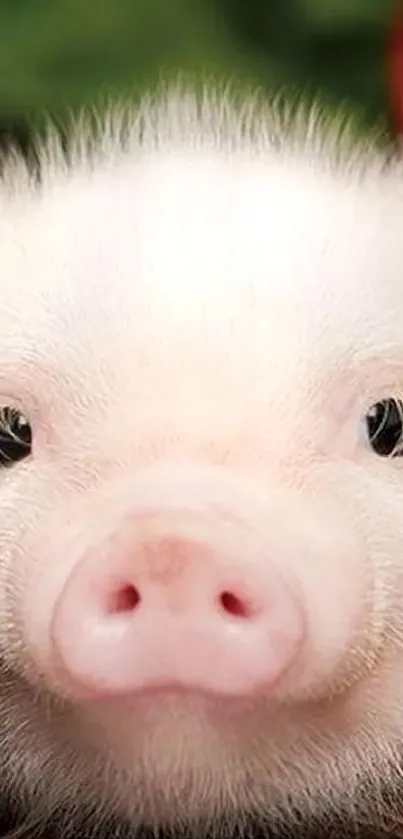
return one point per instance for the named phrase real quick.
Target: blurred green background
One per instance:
(58, 54)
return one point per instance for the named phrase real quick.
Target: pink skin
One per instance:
(168, 602)
(201, 561)
(198, 589)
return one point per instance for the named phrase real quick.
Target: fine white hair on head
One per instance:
(216, 118)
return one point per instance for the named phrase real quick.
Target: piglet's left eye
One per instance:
(384, 424)
(15, 436)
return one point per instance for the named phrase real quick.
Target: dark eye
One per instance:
(15, 436)
(384, 423)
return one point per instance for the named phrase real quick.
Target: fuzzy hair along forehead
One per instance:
(219, 118)
(182, 168)
(276, 145)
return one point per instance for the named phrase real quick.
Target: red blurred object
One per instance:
(394, 69)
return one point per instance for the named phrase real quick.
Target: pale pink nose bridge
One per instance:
(160, 606)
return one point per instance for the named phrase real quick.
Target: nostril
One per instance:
(235, 606)
(124, 599)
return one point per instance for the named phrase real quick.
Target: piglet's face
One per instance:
(201, 368)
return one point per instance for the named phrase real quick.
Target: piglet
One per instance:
(201, 476)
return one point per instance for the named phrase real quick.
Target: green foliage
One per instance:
(64, 53)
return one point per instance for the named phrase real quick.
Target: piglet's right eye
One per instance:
(15, 436)
(384, 423)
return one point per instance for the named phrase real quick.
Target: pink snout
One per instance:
(176, 602)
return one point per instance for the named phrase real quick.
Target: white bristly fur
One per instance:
(204, 278)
